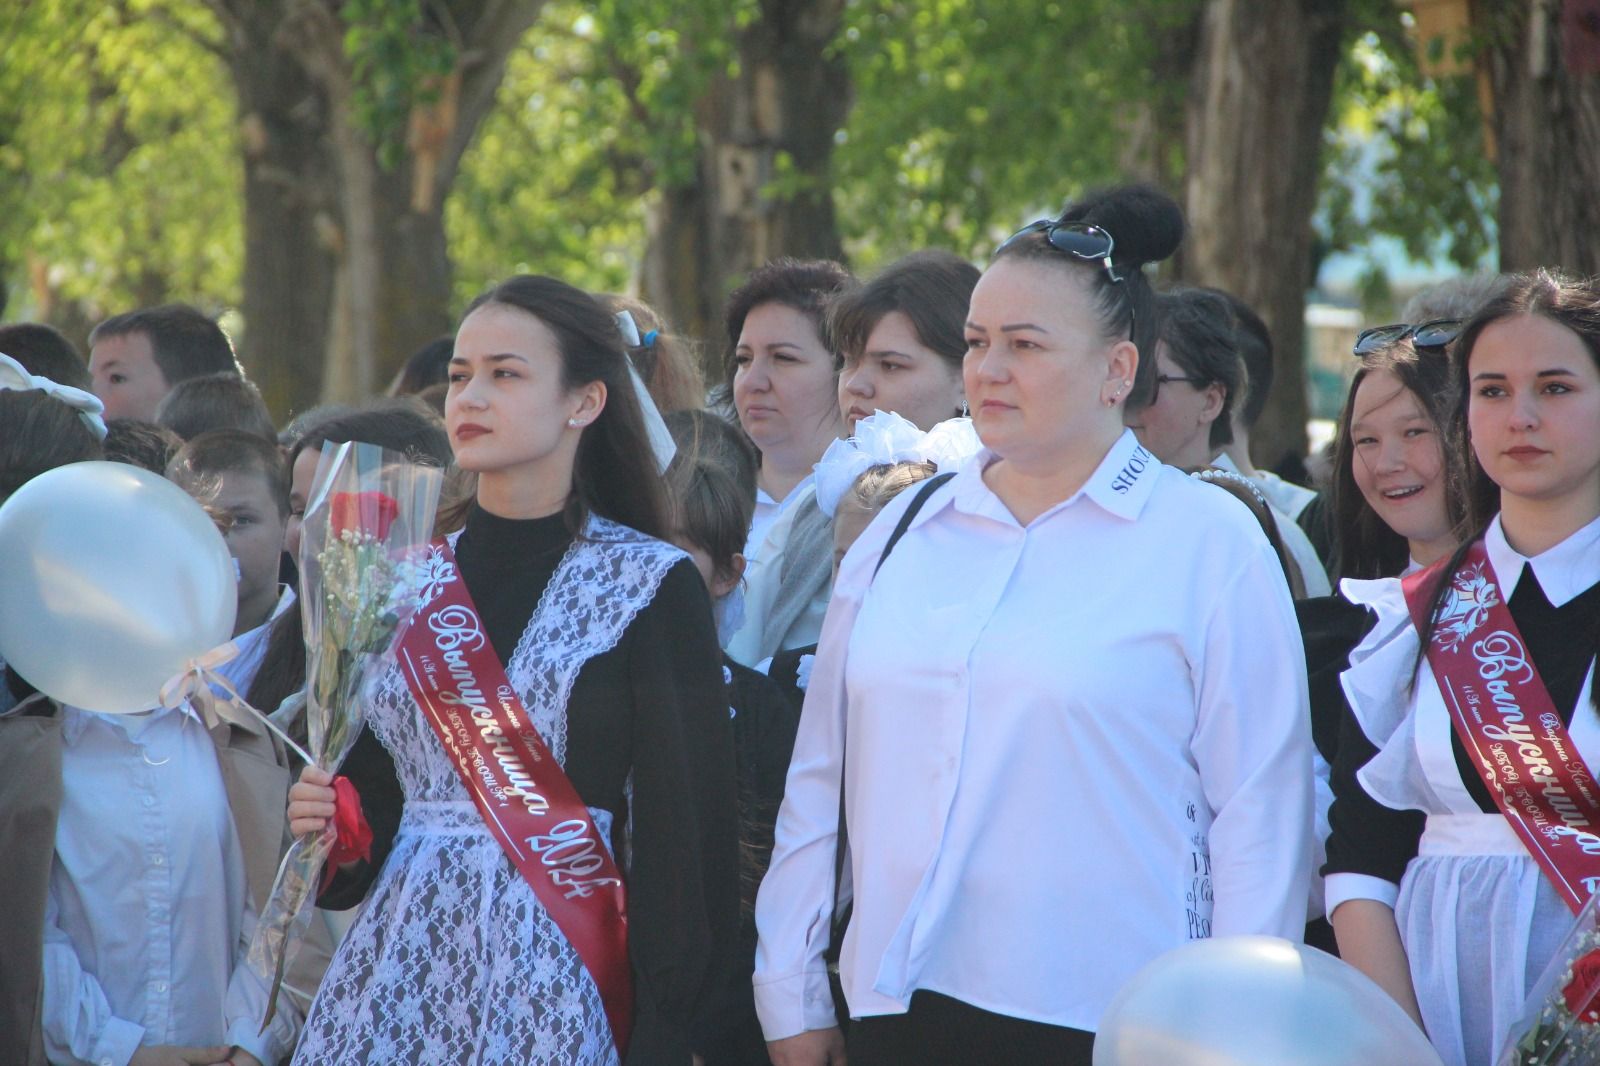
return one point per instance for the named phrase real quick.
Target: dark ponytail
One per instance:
(615, 473)
(1147, 226)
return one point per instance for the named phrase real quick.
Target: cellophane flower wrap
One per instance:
(1560, 1024)
(363, 552)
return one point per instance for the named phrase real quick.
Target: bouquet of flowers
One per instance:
(363, 553)
(1560, 1025)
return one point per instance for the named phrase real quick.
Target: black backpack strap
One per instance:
(928, 488)
(837, 926)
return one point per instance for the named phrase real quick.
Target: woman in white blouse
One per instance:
(1068, 713)
(784, 379)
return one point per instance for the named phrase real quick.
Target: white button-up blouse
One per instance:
(1072, 746)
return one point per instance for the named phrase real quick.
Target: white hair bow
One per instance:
(886, 438)
(13, 375)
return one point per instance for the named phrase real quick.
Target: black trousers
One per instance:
(938, 1030)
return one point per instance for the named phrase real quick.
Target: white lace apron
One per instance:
(1478, 918)
(454, 960)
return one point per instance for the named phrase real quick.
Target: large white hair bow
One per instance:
(13, 375)
(885, 438)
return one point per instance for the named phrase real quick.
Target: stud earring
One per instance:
(575, 422)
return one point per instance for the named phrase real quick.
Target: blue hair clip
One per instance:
(649, 340)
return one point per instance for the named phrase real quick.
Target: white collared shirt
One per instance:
(1072, 746)
(1313, 573)
(766, 513)
(1286, 496)
(241, 670)
(149, 917)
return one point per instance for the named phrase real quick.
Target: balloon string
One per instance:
(281, 735)
(195, 685)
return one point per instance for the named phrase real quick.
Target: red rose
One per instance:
(371, 513)
(1583, 991)
(362, 512)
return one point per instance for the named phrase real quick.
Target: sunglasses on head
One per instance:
(1434, 334)
(1077, 239)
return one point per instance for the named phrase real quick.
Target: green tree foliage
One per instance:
(397, 49)
(1406, 155)
(968, 116)
(119, 175)
(973, 116)
(555, 181)
(119, 155)
(596, 112)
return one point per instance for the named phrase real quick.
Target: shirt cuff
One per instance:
(117, 1042)
(1343, 887)
(789, 1006)
(243, 1035)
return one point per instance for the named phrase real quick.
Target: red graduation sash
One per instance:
(526, 800)
(1506, 719)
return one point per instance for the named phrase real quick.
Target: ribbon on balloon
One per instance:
(196, 684)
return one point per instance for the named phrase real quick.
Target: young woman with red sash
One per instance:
(1485, 656)
(559, 898)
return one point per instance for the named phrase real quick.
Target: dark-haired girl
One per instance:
(606, 636)
(1448, 908)
(901, 341)
(1399, 502)
(1068, 712)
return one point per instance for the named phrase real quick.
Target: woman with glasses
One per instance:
(783, 376)
(1064, 724)
(1440, 894)
(1188, 420)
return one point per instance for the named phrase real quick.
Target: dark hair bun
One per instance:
(1145, 222)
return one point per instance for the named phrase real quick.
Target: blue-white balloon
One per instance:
(1256, 1001)
(111, 580)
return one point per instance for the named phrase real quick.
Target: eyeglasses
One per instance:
(1434, 334)
(1077, 239)
(1162, 379)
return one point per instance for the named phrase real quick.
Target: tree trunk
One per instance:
(762, 186)
(1544, 74)
(1262, 86)
(346, 261)
(290, 216)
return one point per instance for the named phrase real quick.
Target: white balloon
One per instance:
(1256, 1001)
(111, 580)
